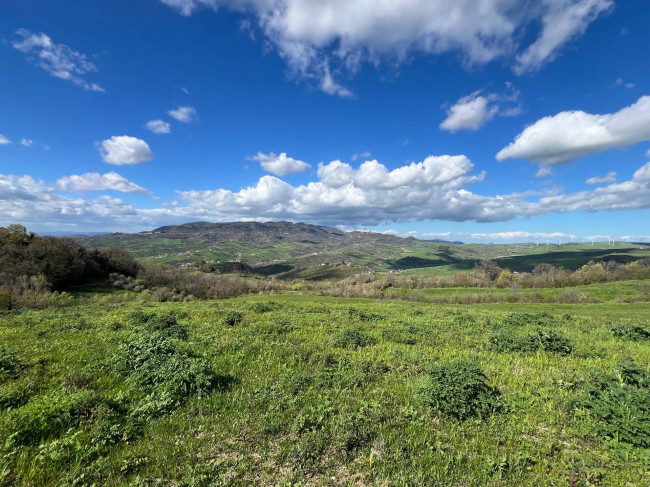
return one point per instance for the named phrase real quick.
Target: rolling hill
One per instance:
(280, 247)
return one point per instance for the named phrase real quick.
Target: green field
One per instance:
(620, 291)
(298, 390)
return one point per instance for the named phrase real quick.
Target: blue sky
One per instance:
(497, 120)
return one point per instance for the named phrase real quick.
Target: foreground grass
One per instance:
(310, 391)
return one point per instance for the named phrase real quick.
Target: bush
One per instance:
(232, 318)
(461, 390)
(619, 404)
(353, 338)
(632, 332)
(546, 341)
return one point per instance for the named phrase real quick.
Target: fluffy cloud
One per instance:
(609, 178)
(312, 36)
(122, 150)
(473, 111)
(562, 21)
(433, 189)
(183, 114)
(280, 164)
(158, 127)
(569, 135)
(93, 181)
(4, 140)
(367, 195)
(27, 142)
(57, 59)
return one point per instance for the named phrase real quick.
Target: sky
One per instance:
(473, 120)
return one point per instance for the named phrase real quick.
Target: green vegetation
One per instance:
(298, 250)
(460, 389)
(311, 390)
(116, 372)
(632, 331)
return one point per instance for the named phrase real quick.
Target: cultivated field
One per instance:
(296, 390)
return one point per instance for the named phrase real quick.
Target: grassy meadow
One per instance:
(301, 390)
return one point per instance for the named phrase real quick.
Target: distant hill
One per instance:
(273, 246)
(284, 248)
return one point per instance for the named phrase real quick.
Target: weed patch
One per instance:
(166, 325)
(265, 307)
(363, 315)
(633, 332)
(10, 366)
(529, 319)
(619, 404)
(353, 338)
(546, 341)
(461, 390)
(47, 415)
(156, 365)
(233, 318)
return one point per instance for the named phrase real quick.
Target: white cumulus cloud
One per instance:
(568, 135)
(609, 178)
(59, 60)
(314, 36)
(123, 149)
(183, 114)
(93, 181)
(371, 194)
(473, 111)
(158, 127)
(4, 140)
(280, 164)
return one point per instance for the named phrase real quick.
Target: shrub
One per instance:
(619, 404)
(353, 338)
(232, 318)
(546, 341)
(632, 332)
(461, 390)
